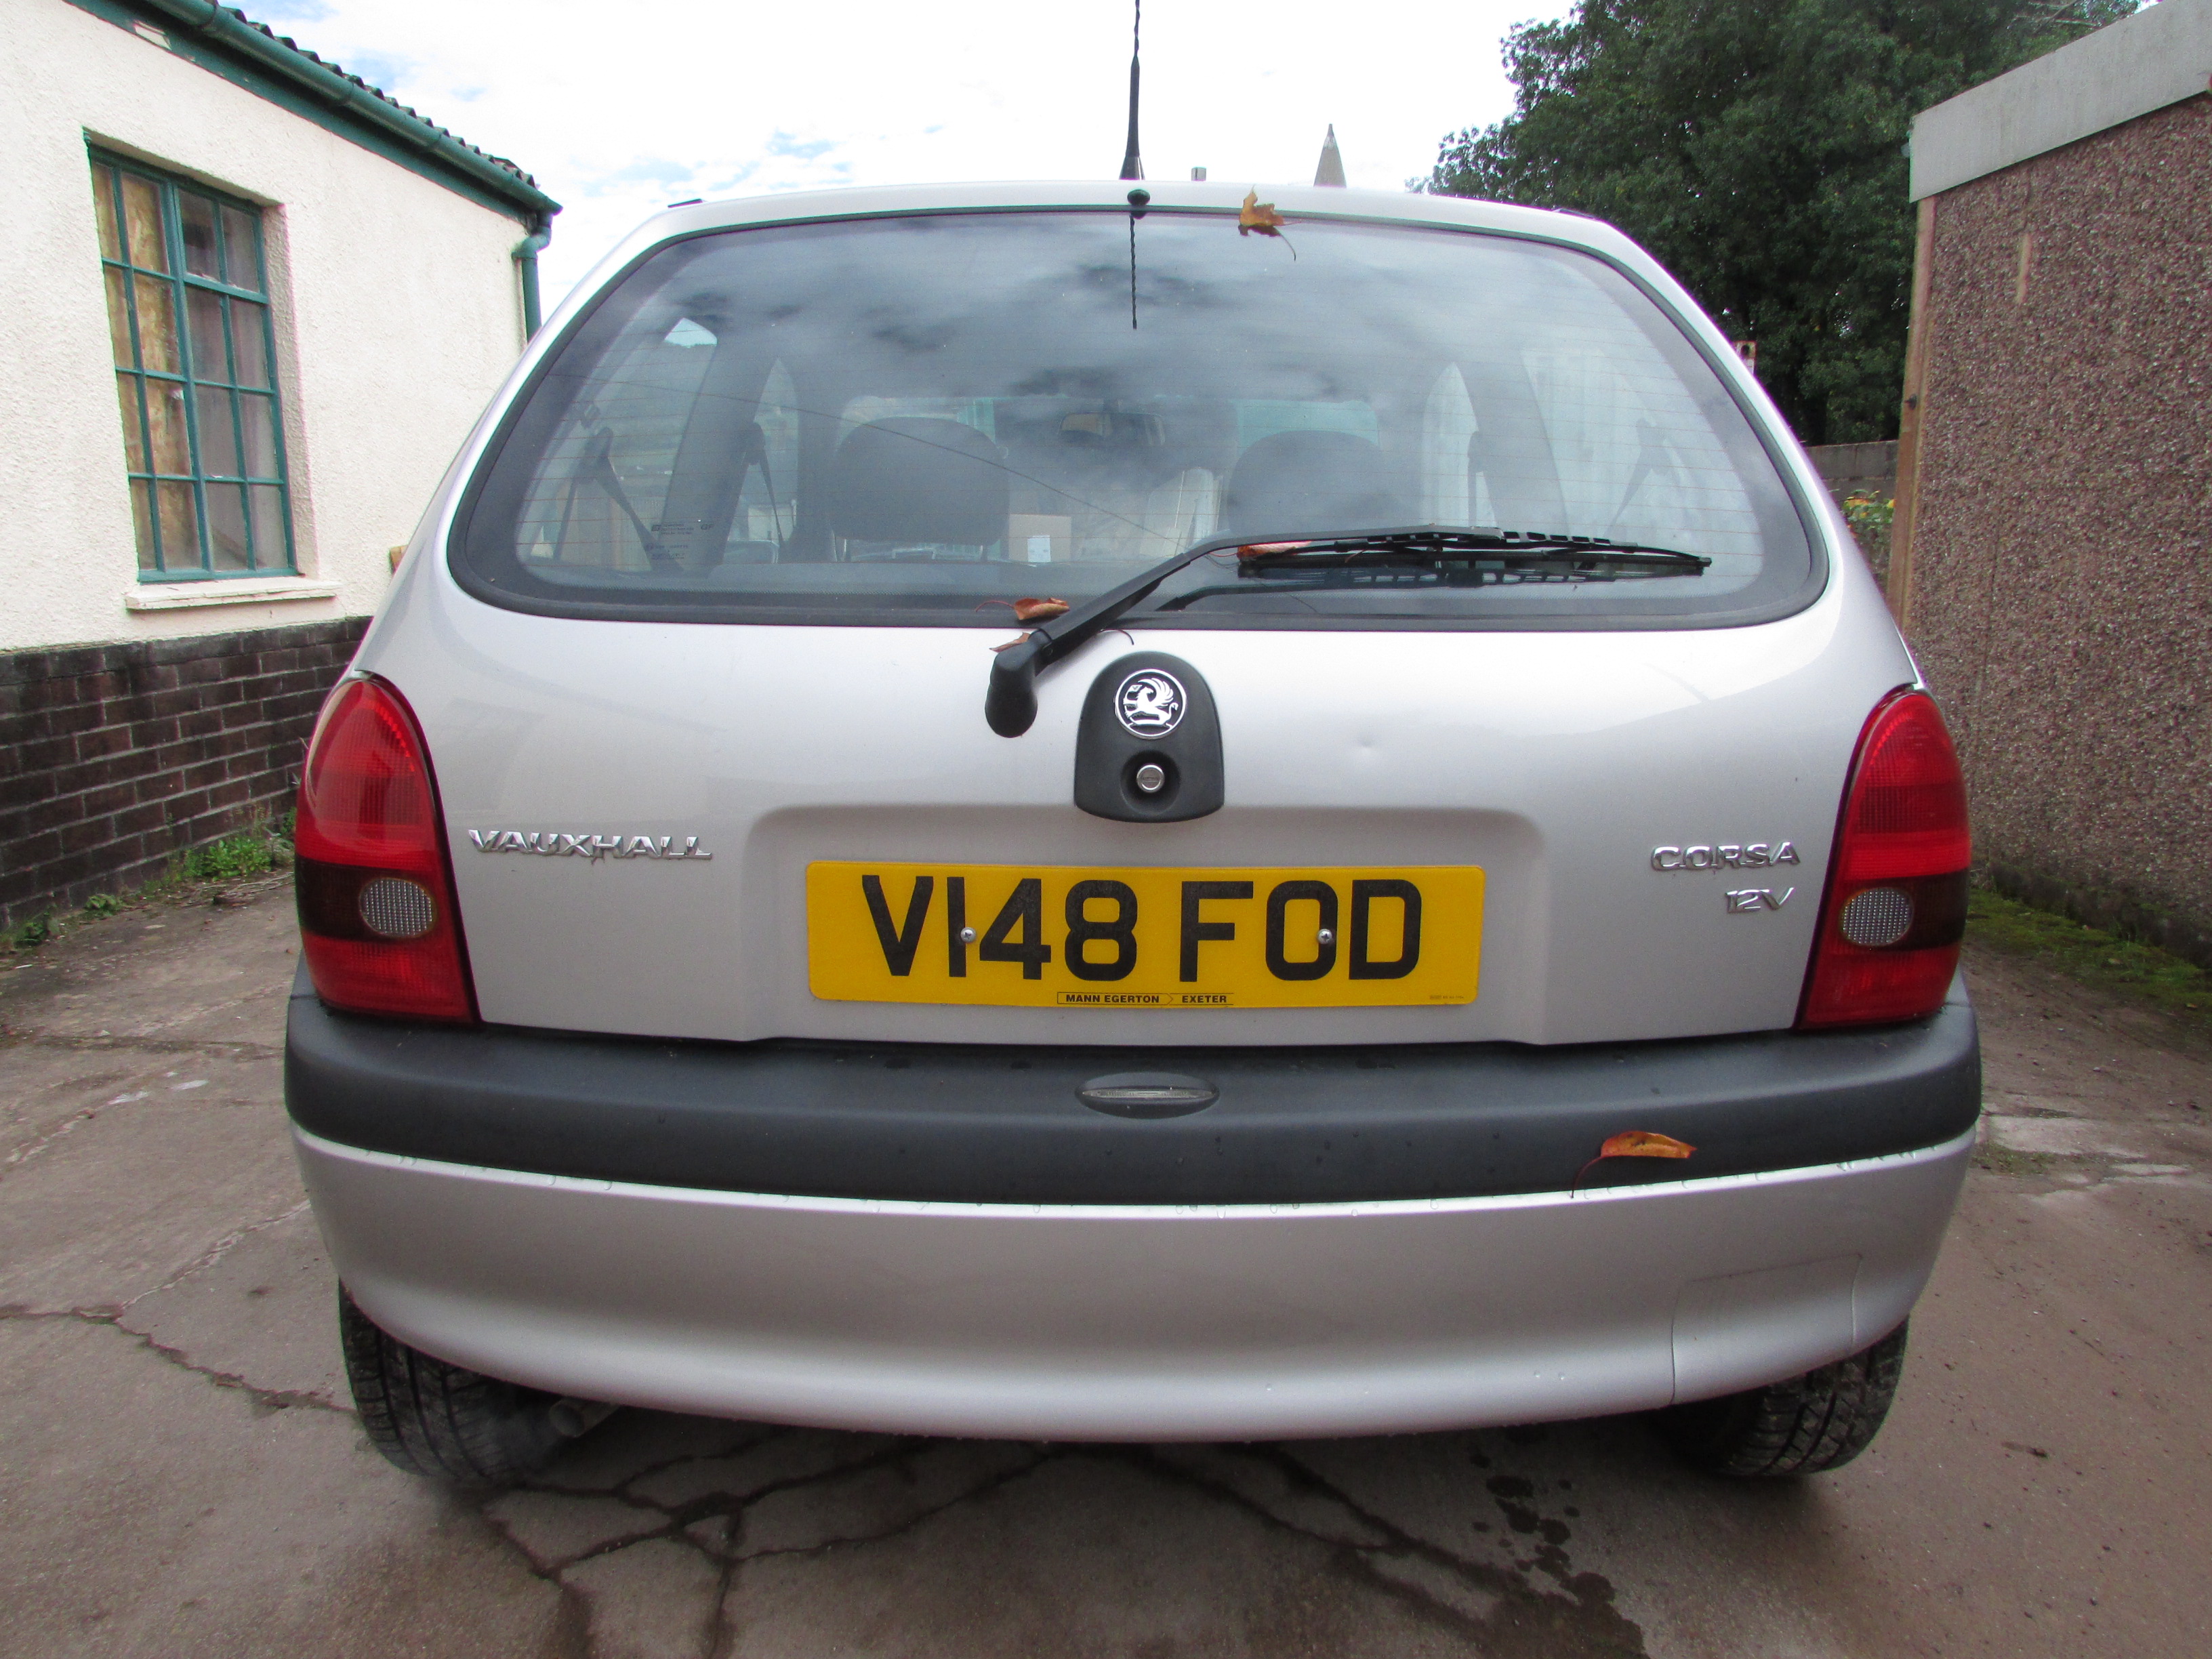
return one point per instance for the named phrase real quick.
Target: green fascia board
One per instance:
(223, 43)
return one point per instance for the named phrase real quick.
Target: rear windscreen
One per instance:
(920, 419)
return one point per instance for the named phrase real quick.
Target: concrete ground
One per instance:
(180, 1473)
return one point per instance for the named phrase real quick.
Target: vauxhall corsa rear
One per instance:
(1012, 812)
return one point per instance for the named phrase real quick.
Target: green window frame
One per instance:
(186, 275)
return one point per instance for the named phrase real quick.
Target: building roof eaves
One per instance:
(343, 101)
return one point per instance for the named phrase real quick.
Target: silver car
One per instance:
(1069, 813)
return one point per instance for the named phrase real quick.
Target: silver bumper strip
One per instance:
(1115, 1321)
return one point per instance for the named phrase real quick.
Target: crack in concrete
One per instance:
(571, 1635)
(1522, 1619)
(24, 1154)
(722, 1632)
(618, 1490)
(211, 1048)
(214, 1253)
(981, 1488)
(1522, 1611)
(223, 1049)
(680, 1523)
(725, 1506)
(265, 1400)
(680, 1520)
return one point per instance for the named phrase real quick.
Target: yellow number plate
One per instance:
(1026, 936)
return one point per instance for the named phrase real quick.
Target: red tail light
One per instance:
(1896, 904)
(376, 887)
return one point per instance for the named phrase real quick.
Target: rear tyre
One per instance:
(441, 1420)
(1821, 1420)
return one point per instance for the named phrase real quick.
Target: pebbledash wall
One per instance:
(137, 718)
(2054, 533)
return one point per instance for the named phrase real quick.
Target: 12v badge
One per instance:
(1150, 703)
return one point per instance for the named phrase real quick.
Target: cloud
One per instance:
(618, 111)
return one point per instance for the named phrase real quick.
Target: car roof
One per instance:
(1294, 202)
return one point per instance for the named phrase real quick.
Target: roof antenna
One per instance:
(1132, 166)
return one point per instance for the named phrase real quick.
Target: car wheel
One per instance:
(431, 1418)
(1821, 1420)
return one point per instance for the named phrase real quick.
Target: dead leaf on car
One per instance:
(1029, 609)
(1009, 645)
(1261, 216)
(1636, 1143)
(1269, 550)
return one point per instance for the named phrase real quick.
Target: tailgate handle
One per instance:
(1148, 1094)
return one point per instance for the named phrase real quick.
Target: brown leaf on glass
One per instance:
(1027, 609)
(1269, 550)
(1636, 1143)
(1261, 216)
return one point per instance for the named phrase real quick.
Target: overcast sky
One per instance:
(620, 109)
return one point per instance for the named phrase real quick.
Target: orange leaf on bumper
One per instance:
(1636, 1143)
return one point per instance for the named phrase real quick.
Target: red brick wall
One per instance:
(113, 758)
(2062, 561)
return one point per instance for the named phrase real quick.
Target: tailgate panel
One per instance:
(1554, 763)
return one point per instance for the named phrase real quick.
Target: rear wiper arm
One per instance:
(1009, 701)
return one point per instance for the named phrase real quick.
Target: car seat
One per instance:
(911, 481)
(1293, 481)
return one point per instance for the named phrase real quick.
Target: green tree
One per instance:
(1756, 147)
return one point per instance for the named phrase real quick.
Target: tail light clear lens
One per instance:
(374, 883)
(1896, 905)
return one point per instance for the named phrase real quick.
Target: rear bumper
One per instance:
(1105, 1322)
(945, 1240)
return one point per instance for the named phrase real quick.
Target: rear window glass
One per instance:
(919, 419)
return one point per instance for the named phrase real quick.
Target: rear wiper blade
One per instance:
(1428, 545)
(1009, 701)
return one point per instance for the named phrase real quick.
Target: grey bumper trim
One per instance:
(986, 1124)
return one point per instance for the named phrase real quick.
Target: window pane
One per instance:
(1407, 371)
(242, 252)
(182, 346)
(142, 224)
(226, 511)
(203, 325)
(257, 418)
(218, 439)
(103, 197)
(198, 214)
(119, 316)
(249, 333)
(134, 437)
(165, 414)
(180, 528)
(157, 324)
(142, 521)
(270, 552)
